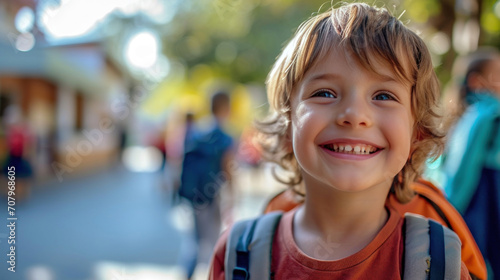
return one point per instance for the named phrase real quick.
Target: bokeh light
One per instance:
(496, 9)
(25, 42)
(142, 159)
(25, 19)
(440, 43)
(141, 50)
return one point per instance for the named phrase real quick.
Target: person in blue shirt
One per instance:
(206, 170)
(471, 164)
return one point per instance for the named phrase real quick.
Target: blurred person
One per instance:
(185, 136)
(471, 163)
(122, 141)
(159, 142)
(19, 139)
(249, 151)
(206, 170)
(190, 132)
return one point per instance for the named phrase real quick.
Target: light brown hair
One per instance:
(369, 33)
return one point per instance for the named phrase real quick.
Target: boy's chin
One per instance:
(359, 185)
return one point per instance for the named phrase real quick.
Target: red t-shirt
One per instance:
(381, 259)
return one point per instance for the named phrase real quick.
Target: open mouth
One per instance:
(358, 149)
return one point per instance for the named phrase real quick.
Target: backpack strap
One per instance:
(436, 250)
(254, 235)
(431, 250)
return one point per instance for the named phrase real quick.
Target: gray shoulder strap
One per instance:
(417, 259)
(256, 236)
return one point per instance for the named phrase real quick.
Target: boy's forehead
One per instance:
(377, 65)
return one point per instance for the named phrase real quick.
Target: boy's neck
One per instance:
(350, 220)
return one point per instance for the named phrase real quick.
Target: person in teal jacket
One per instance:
(471, 164)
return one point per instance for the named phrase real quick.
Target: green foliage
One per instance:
(490, 23)
(252, 31)
(240, 39)
(421, 11)
(489, 20)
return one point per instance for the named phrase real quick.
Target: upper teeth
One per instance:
(359, 149)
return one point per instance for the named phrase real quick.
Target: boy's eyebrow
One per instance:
(323, 76)
(386, 78)
(330, 76)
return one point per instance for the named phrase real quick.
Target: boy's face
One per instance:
(351, 128)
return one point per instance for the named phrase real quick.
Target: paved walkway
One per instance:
(112, 225)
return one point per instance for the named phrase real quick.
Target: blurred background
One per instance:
(100, 90)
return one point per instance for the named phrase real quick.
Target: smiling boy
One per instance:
(334, 118)
(354, 103)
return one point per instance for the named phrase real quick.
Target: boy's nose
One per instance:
(354, 113)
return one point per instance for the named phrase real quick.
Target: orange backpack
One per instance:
(429, 202)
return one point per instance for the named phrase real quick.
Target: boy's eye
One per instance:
(324, 93)
(384, 96)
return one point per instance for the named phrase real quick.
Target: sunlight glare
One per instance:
(142, 49)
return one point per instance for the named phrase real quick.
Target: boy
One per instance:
(355, 103)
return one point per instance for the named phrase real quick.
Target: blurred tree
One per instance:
(240, 39)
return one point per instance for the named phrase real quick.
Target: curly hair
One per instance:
(371, 34)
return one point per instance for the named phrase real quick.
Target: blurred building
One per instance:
(72, 96)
